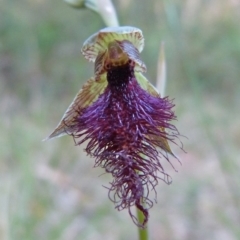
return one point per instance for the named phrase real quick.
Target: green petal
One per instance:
(146, 85)
(86, 96)
(99, 41)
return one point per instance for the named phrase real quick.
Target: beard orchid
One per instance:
(125, 122)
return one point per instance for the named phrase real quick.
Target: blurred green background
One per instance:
(50, 190)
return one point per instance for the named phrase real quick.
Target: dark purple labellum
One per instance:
(125, 129)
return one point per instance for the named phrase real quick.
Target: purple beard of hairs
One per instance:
(124, 129)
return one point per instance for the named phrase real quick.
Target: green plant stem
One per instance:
(142, 233)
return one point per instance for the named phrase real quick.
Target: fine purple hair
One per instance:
(125, 130)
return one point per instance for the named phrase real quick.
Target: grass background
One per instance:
(50, 190)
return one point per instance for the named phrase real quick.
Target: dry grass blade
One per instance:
(161, 71)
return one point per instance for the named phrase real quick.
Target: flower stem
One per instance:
(142, 233)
